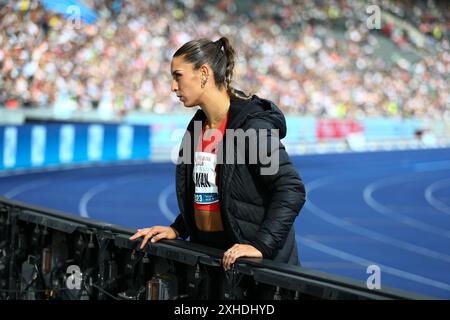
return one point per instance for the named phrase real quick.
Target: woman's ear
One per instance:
(204, 74)
(204, 69)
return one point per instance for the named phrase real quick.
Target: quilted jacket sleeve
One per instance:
(287, 190)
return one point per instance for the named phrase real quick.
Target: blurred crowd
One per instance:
(315, 58)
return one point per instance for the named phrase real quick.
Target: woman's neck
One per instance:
(216, 106)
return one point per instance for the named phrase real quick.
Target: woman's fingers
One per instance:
(153, 234)
(226, 263)
(230, 260)
(143, 232)
(230, 256)
(159, 236)
(237, 251)
(146, 238)
(138, 234)
(233, 259)
(227, 257)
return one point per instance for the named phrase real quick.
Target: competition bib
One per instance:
(204, 174)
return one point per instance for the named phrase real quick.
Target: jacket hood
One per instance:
(242, 110)
(245, 110)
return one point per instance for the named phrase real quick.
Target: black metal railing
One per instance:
(46, 254)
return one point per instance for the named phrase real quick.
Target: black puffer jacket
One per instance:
(256, 209)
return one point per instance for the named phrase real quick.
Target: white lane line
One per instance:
(391, 214)
(431, 199)
(326, 216)
(88, 195)
(162, 202)
(25, 187)
(364, 262)
(98, 188)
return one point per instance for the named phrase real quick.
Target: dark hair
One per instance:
(219, 55)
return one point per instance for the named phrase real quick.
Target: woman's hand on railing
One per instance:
(237, 251)
(154, 234)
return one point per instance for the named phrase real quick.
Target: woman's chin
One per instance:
(187, 105)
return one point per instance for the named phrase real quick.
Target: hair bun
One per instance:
(220, 43)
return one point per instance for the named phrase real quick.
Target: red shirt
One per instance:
(206, 180)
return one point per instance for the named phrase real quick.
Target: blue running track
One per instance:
(391, 209)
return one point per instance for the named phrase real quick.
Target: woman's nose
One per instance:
(174, 86)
